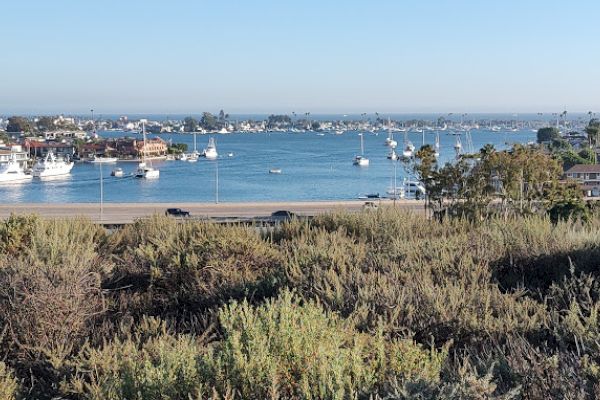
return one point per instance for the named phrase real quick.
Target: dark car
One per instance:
(177, 212)
(283, 215)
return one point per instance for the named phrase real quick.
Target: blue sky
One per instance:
(283, 56)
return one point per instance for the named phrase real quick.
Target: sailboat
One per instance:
(144, 170)
(193, 156)
(361, 160)
(458, 146)
(436, 147)
(389, 141)
(409, 148)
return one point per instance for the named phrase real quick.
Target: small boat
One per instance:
(339, 132)
(370, 196)
(210, 152)
(183, 157)
(229, 154)
(392, 155)
(51, 166)
(320, 134)
(275, 171)
(170, 157)
(117, 173)
(13, 172)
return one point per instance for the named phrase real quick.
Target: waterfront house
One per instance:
(588, 177)
(39, 149)
(21, 155)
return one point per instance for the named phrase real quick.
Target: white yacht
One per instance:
(410, 189)
(210, 152)
(361, 160)
(51, 166)
(144, 170)
(13, 172)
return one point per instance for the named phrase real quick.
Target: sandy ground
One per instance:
(118, 213)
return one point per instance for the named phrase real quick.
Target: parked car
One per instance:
(177, 212)
(283, 215)
(369, 205)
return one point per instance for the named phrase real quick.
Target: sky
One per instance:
(327, 56)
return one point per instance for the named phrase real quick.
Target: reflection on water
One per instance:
(13, 192)
(313, 168)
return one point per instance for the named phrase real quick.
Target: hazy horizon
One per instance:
(277, 57)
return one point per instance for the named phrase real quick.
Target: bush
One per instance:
(290, 349)
(8, 384)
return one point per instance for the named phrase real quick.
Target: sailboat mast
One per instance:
(362, 147)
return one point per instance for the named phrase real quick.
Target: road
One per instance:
(121, 213)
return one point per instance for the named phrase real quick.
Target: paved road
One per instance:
(119, 213)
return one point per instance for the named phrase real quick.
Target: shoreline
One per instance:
(118, 213)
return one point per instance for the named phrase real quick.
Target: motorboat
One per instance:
(275, 171)
(392, 155)
(210, 152)
(51, 166)
(117, 172)
(144, 170)
(182, 157)
(12, 171)
(193, 157)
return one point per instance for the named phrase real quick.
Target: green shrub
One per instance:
(151, 363)
(8, 384)
(177, 267)
(290, 349)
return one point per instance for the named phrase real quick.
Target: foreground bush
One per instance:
(8, 384)
(282, 349)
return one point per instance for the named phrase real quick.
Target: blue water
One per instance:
(313, 168)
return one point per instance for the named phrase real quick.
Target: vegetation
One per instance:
(547, 134)
(374, 305)
(18, 124)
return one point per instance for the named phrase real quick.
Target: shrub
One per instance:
(290, 349)
(150, 363)
(8, 384)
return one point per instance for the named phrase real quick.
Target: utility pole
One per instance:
(217, 181)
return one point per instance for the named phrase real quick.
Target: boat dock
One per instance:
(124, 213)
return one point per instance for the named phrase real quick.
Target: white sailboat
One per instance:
(146, 171)
(361, 160)
(51, 166)
(102, 160)
(436, 147)
(389, 141)
(210, 152)
(193, 156)
(458, 146)
(13, 172)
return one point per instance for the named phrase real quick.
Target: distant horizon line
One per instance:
(298, 114)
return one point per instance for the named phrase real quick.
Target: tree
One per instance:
(19, 124)
(46, 123)
(190, 124)
(208, 121)
(547, 134)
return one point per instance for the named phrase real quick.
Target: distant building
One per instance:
(588, 176)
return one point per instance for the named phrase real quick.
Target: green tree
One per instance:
(547, 134)
(208, 121)
(19, 124)
(190, 124)
(46, 123)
